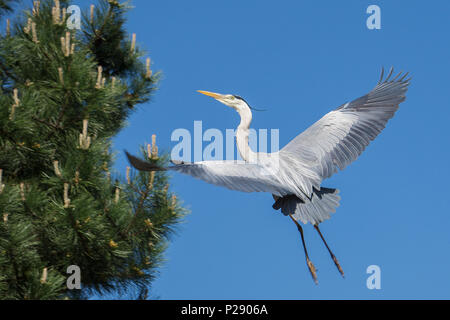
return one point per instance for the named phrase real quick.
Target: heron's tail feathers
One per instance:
(318, 209)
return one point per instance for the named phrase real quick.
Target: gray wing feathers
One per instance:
(234, 175)
(341, 136)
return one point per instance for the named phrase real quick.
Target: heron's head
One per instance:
(233, 101)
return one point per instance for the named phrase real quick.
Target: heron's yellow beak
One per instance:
(211, 94)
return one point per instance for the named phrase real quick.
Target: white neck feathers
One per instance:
(242, 134)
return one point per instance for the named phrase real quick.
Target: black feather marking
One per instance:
(240, 98)
(142, 165)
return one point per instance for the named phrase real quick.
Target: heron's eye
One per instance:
(233, 98)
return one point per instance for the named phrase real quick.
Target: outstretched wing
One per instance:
(341, 135)
(234, 175)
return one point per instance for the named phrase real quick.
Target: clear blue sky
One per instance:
(300, 59)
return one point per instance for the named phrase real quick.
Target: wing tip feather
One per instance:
(142, 165)
(399, 78)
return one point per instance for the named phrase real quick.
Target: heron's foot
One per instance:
(336, 262)
(313, 270)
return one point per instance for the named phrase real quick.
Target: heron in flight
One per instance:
(294, 174)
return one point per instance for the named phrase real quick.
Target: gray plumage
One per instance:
(295, 173)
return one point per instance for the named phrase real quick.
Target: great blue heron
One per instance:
(294, 174)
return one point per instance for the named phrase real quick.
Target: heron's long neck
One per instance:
(242, 133)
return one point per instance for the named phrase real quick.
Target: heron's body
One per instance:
(294, 174)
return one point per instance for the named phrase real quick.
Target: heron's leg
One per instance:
(336, 262)
(310, 265)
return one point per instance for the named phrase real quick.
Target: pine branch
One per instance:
(7, 72)
(48, 124)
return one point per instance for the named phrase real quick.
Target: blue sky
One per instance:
(299, 60)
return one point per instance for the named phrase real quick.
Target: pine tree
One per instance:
(64, 94)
